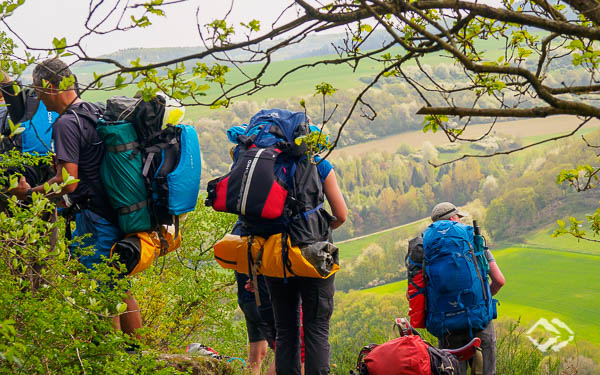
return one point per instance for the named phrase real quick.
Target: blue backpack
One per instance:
(458, 293)
(37, 124)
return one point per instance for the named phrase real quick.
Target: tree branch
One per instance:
(500, 112)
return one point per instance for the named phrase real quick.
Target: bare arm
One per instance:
(497, 278)
(335, 199)
(73, 170)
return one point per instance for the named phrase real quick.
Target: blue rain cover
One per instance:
(37, 136)
(184, 181)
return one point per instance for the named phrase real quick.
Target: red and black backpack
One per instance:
(272, 184)
(409, 354)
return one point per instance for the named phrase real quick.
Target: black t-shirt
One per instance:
(76, 141)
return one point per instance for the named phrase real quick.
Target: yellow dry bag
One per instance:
(138, 250)
(276, 257)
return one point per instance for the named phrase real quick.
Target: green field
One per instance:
(352, 248)
(298, 84)
(544, 284)
(568, 243)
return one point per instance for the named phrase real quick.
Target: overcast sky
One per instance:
(39, 21)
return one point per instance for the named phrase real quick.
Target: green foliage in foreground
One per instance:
(186, 297)
(54, 316)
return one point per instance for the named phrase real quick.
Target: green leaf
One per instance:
(71, 181)
(16, 88)
(59, 44)
(325, 88)
(576, 44)
(121, 307)
(17, 131)
(253, 25)
(144, 21)
(67, 82)
(524, 52)
(14, 182)
(366, 27)
(65, 174)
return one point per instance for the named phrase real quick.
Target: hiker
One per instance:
(316, 296)
(26, 109)
(263, 321)
(3, 112)
(79, 151)
(453, 339)
(278, 193)
(260, 324)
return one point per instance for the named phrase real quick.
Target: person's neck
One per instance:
(67, 99)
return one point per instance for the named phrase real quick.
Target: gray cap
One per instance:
(444, 211)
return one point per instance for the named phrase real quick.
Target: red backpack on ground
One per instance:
(409, 354)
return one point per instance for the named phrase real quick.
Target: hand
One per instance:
(4, 76)
(21, 190)
(249, 286)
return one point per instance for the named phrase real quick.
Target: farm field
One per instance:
(544, 284)
(532, 130)
(353, 247)
(567, 243)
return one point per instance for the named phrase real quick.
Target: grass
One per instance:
(543, 284)
(536, 138)
(563, 284)
(395, 287)
(568, 243)
(352, 248)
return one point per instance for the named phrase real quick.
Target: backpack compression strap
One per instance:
(252, 271)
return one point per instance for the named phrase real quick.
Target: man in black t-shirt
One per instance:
(79, 150)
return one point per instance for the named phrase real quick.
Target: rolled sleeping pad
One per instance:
(138, 250)
(121, 173)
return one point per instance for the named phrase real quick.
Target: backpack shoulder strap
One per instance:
(32, 103)
(4, 128)
(78, 113)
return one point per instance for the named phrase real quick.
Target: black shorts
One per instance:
(258, 328)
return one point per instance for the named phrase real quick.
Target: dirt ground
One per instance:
(520, 128)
